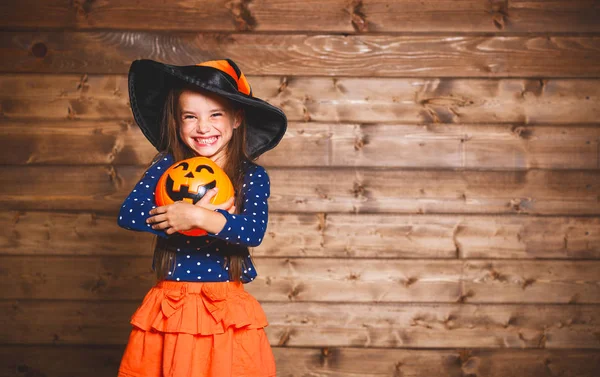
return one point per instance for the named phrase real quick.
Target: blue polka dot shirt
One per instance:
(205, 258)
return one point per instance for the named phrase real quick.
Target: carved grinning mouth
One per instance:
(184, 193)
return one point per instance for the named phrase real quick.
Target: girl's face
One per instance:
(206, 123)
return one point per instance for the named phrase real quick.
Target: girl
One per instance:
(198, 320)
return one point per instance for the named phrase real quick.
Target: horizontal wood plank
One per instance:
(338, 16)
(484, 146)
(365, 100)
(547, 192)
(331, 325)
(307, 54)
(103, 361)
(47, 233)
(326, 235)
(443, 236)
(322, 280)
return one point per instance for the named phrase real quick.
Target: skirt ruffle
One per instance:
(198, 308)
(193, 329)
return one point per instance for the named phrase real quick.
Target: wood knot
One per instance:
(82, 7)
(541, 343)
(464, 356)
(125, 125)
(408, 282)
(398, 369)
(296, 290)
(114, 177)
(512, 321)
(420, 321)
(495, 275)
(574, 299)
(357, 16)
(499, 20)
(517, 204)
(322, 218)
(93, 218)
(243, 19)
(464, 297)
(285, 338)
(16, 217)
(360, 142)
(306, 114)
(83, 85)
(522, 132)
(358, 190)
(283, 84)
(39, 50)
(449, 321)
(321, 194)
(499, 12)
(339, 87)
(527, 283)
(327, 357)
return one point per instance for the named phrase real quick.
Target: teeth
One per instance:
(207, 141)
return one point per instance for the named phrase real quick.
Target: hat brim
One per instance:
(149, 82)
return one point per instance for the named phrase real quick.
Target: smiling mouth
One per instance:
(184, 192)
(206, 141)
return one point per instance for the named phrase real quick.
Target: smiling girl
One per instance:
(198, 320)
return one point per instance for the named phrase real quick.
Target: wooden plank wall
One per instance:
(435, 203)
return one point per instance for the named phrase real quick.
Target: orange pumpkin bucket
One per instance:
(189, 180)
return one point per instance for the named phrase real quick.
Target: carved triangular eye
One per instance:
(200, 167)
(184, 165)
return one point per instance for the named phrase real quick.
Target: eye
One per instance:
(183, 165)
(200, 167)
(188, 116)
(217, 114)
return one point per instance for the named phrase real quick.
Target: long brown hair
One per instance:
(164, 254)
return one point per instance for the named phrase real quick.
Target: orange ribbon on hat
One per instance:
(225, 67)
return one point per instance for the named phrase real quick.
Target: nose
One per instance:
(202, 127)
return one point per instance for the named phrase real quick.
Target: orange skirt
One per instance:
(192, 329)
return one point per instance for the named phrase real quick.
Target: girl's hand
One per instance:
(181, 216)
(205, 202)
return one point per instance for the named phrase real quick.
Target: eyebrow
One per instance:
(183, 111)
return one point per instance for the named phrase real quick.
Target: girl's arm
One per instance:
(136, 207)
(249, 227)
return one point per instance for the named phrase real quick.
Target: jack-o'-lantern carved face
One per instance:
(189, 180)
(188, 184)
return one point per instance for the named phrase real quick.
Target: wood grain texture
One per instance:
(435, 202)
(79, 233)
(332, 325)
(310, 15)
(320, 280)
(319, 99)
(414, 236)
(447, 55)
(353, 190)
(509, 147)
(326, 235)
(103, 361)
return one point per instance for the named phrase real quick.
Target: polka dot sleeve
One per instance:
(134, 211)
(249, 227)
